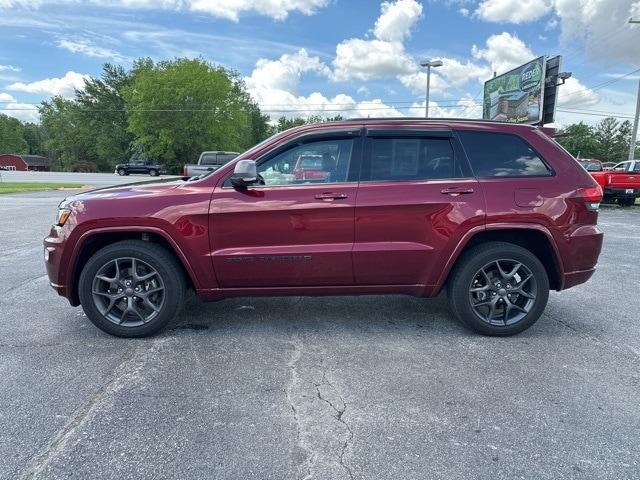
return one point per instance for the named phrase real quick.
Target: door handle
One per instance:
(455, 191)
(328, 196)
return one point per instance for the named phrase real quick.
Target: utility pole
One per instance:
(634, 134)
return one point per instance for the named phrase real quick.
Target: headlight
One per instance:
(63, 216)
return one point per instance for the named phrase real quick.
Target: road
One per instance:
(327, 388)
(90, 179)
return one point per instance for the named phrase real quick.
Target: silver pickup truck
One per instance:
(208, 162)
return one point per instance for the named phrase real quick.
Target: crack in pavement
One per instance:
(22, 284)
(292, 385)
(322, 433)
(126, 371)
(338, 416)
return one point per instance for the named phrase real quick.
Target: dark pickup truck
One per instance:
(147, 167)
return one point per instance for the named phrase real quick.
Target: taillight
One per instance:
(184, 172)
(592, 196)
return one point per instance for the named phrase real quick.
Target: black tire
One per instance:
(171, 278)
(626, 201)
(122, 172)
(467, 271)
(153, 173)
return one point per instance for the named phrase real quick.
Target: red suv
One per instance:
(497, 214)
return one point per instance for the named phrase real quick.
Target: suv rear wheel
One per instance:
(498, 289)
(132, 288)
(153, 172)
(122, 171)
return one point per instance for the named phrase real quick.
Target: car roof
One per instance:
(402, 122)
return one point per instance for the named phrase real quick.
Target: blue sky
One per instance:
(354, 57)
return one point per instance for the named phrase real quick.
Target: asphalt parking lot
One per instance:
(325, 388)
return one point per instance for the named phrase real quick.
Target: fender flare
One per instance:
(466, 238)
(72, 265)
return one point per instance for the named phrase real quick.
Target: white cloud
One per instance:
(364, 59)
(417, 82)
(514, 11)
(284, 73)
(277, 9)
(385, 55)
(574, 94)
(464, 12)
(11, 107)
(273, 85)
(65, 86)
(9, 68)
(602, 26)
(88, 48)
(466, 107)
(503, 51)
(396, 20)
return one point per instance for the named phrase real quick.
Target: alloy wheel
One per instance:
(503, 292)
(128, 292)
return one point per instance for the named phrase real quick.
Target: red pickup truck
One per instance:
(620, 184)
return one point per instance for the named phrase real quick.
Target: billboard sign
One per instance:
(516, 96)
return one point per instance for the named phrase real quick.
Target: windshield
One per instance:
(208, 159)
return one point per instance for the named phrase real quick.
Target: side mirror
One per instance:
(245, 173)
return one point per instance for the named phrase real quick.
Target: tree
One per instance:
(34, 134)
(622, 141)
(578, 139)
(180, 108)
(102, 110)
(68, 136)
(12, 136)
(605, 136)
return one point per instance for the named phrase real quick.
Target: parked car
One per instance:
(621, 183)
(591, 164)
(146, 167)
(208, 162)
(310, 168)
(497, 214)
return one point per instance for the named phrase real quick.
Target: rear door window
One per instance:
(502, 155)
(411, 158)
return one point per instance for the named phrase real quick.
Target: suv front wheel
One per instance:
(132, 288)
(498, 289)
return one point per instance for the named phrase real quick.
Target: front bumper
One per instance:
(56, 265)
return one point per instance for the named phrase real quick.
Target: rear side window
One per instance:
(501, 155)
(396, 159)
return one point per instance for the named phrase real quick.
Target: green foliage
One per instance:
(579, 140)
(69, 138)
(608, 141)
(12, 136)
(102, 110)
(180, 108)
(285, 123)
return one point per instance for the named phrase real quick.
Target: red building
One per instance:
(23, 163)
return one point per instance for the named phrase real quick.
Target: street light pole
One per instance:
(426, 103)
(634, 134)
(428, 64)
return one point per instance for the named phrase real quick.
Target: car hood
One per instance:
(127, 191)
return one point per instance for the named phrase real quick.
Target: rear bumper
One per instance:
(582, 253)
(572, 279)
(622, 192)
